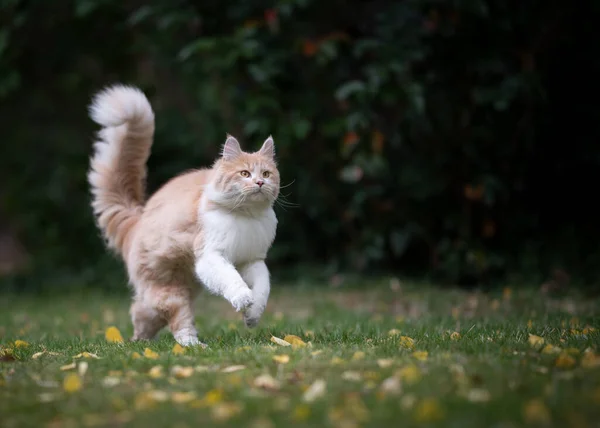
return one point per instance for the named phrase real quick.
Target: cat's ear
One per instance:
(231, 148)
(268, 148)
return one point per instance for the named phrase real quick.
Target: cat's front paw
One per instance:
(252, 315)
(188, 340)
(242, 299)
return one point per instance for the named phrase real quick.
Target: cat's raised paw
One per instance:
(242, 299)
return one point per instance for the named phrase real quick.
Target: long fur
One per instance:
(210, 227)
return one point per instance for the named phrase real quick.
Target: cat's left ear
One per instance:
(268, 148)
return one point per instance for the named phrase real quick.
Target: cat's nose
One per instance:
(260, 183)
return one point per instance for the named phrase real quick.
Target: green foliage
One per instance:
(403, 129)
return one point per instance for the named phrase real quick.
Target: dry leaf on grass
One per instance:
(590, 359)
(358, 355)
(535, 341)
(82, 368)
(478, 395)
(550, 349)
(279, 341)
(178, 349)
(110, 381)
(281, 359)
(72, 383)
(183, 397)
(225, 411)
(455, 335)
(155, 372)
(295, 341)
(267, 382)
(182, 372)
(428, 410)
(407, 342)
(536, 412)
(394, 332)
(68, 366)
(409, 374)
(316, 390)
(136, 355)
(352, 376)
(420, 355)
(37, 355)
(87, 355)
(391, 385)
(232, 369)
(112, 334)
(385, 362)
(20, 344)
(149, 353)
(564, 361)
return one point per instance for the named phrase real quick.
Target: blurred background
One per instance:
(456, 141)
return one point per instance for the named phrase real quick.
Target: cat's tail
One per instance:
(117, 172)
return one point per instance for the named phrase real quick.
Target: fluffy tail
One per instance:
(118, 167)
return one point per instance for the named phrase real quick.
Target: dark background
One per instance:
(452, 140)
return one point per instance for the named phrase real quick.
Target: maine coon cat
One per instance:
(210, 227)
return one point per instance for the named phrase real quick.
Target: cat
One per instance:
(210, 227)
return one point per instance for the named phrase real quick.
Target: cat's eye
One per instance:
(266, 174)
(245, 173)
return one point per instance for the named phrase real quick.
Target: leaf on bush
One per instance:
(112, 334)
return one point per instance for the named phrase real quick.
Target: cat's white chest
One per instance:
(239, 238)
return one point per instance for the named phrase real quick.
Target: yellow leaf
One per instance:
(301, 413)
(409, 374)
(38, 355)
(136, 355)
(317, 352)
(183, 397)
(316, 390)
(590, 359)
(337, 361)
(267, 382)
(351, 376)
(182, 372)
(21, 344)
(178, 349)
(279, 341)
(82, 368)
(536, 412)
(588, 330)
(358, 355)
(232, 369)
(72, 383)
(550, 349)
(385, 362)
(564, 361)
(407, 342)
(112, 334)
(149, 353)
(243, 349)
(111, 381)
(155, 372)
(225, 411)
(420, 355)
(394, 332)
(87, 355)
(391, 385)
(572, 351)
(295, 341)
(428, 410)
(455, 335)
(535, 341)
(213, 396)
(309, 333)
(68, 366)
(529, 324)
(281, 359)
(149, 399)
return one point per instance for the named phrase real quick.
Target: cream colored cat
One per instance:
(209, 226)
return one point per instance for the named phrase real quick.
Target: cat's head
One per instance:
(245, 180)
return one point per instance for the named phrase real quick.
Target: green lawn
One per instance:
(378, 356)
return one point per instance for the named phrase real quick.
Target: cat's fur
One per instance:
(209, 226)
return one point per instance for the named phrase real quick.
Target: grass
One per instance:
(385, 356)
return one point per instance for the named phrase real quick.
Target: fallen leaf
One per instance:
(352, 376)
(391, 385)
(536, 412)
(428, 410)
(478, 395)
(590, 359)
(183, 397)
(317, 352)
(149, 399)
(110, 381)
(535, 341)
(279, 341)
(87, 355)
(232, 369)
(136, 355)
(82, 368)
(564, 361)
(385, 362)
(394, 332)
(72, 383)
(407, 342)
(178, 349)
(112, 334)
(155, 372)
(295, 341)
(37, 355)
(309, 333)
(225, 411)
(149, 353)
(337, 361)
(455, 335)
(267, 382)
(21, 344)
(182, 372)
(420, 355)
(529, 324)
(550, 349)
(409, 374)
(281, 359)
(314, 391)
(301, 413)
(68, 366)
(358, 355)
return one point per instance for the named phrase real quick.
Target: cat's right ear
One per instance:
(231, 148)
